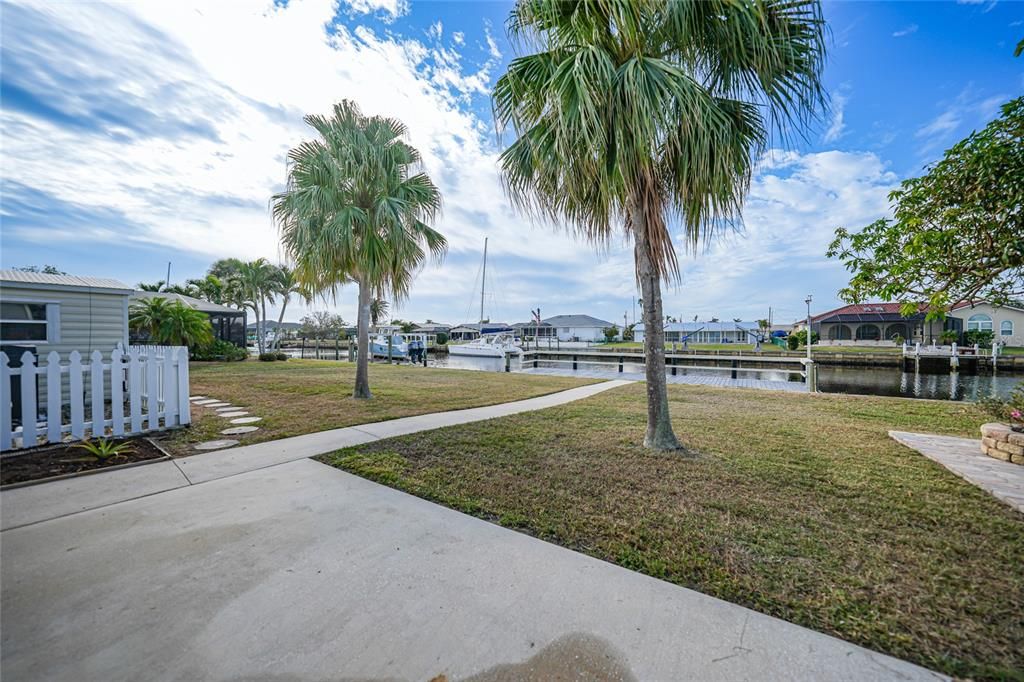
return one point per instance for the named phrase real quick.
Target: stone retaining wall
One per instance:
(1001, 442)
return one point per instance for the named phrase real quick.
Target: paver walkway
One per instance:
(303, 572)
(964, 458)
(32, 504)
(721, 380)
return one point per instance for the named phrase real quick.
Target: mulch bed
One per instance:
(59, 460)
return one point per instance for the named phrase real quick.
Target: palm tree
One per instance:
(638, 113)
(170, 323)
(146, 286)
(251, 286)
(357, 208)
(209, 288)
(285, 285)
(378, 311)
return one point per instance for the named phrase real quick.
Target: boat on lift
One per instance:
(379, 347)
(496, 345)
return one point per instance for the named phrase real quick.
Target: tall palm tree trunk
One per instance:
(280, 321)
(660, 435)
(362, 389)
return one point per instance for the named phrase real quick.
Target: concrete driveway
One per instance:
(302, 572)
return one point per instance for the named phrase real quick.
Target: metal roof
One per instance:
(49, 281)
(196, 303)
(576, 321)
(866, 312)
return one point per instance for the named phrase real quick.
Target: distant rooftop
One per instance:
(42, 279)
(576, 321)
(719, 326)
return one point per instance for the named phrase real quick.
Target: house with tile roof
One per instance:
(878, 324)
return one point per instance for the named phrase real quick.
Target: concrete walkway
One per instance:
(720, 380)
(964, 458)
(302, 572)
(32, 504)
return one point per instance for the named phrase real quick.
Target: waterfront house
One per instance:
(578, 327)
(878, 324)
(1005, 322)
(228, 323)
(706, 332)
(473, 330)
(532, 329)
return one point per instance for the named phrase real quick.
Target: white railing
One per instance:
(145, 389)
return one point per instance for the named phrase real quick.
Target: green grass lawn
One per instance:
(799, 506)
(1014, 350)
(302, 396)
(749, 348)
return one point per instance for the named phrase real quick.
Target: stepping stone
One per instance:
(229, 408)
(197, 397)
(236, 413)
(216, 444)
(239, 430)
(217, 405)
(208, 401)
(246, 420)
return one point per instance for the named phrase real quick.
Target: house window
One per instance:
(868, 332)
(1006, 328)
(979, 323)
(27, 321)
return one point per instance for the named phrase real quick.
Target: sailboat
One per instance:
(496, 345)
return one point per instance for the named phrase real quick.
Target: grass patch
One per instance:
(800, 506)
(303, 396)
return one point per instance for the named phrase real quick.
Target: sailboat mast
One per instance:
(483, 283)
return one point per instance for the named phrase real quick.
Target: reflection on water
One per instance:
(894, 382)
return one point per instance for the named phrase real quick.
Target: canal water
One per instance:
(888, 381)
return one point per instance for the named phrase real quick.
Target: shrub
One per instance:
(948, 336)
(1001, 408)
(268, 357)
(792, 343)
(104, 448)
(977, 336)
(281, 356)
(442, 338)
(220, 350)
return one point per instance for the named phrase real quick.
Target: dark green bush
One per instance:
(220, 350)
(281, 356)
(442, 338)
(268, 357)
(977, 336)
(792, 343)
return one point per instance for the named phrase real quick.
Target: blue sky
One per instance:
(141, 133)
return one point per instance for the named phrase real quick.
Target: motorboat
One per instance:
(379, 347)
(496, 345)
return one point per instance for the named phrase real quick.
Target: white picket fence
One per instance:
(145, 389)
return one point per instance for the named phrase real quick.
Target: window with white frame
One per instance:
(29, 322)
(1006, 328)
(979, 323)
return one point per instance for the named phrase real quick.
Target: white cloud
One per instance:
(837, 127)
(968, 110)
(389, 10)
(906, 31)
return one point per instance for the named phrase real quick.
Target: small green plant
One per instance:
(281, 356)
(220, 350)
(268, 357)
(980, 337)
(948, 336)
(1005, 409)
(792, 342)
(105, 448)
(898, 339)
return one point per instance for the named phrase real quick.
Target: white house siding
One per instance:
(88, 321)
(581, 333)
(1013, 316)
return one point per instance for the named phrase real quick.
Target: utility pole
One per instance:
(167, 282)
(625, 323)
(812, 374)
(483, 284)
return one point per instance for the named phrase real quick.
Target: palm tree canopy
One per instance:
(171, 323)
(355, 207)
(662, 106)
